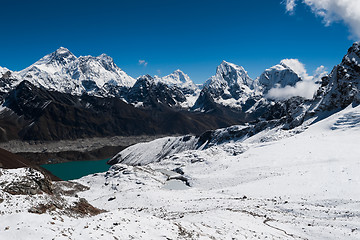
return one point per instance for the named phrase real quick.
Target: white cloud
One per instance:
(305, 88)
(297, 67)
(290, 6)
(334, 10)
(143, 62)
(319, 73)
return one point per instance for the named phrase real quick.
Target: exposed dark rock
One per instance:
(182, 178)
(83, 208)
(179, 171)
(45, 115)
(43, 208)
(31, 184)
(111, 199)
(341, 88)
(155, 95)
(68, 188)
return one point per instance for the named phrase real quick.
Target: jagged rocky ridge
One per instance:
(63, 71)
(32, 113)
(252, 175)
(229, 97)
(342, 86)
(338, 90)
(98, 76)
(147, 92)
(230, 83)
(231, 87)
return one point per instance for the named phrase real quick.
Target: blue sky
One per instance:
(191, 35)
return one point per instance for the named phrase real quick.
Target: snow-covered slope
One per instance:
(273, 184)
(63, 71)
(300, 184)
(144, 153)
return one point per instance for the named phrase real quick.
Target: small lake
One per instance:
(77, 169)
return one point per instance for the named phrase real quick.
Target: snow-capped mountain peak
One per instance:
(62, 50)
(353, 55)
(62, 56)
(230, 75)
(280, 75)
(230, 86)
(179, 79)
(227, 65)
(63, 71)
(146, 77)
(3, 70)
(182, 82)
(180, 75)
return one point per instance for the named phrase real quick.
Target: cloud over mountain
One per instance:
(305, 88)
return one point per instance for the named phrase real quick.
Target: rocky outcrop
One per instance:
(342, 86)
(29, 182)
(148, 93)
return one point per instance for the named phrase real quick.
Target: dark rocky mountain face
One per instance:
(150, 94)
(342, 86)
(7, 82)
(337, 91)
(37, 114)
(34, 113)
(229, 82)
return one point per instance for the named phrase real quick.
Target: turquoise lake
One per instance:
(77, 169)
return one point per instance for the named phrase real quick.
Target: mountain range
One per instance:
(290, 170)
(99, 76)
(62, 96)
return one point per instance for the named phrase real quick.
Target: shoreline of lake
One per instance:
(77, 169)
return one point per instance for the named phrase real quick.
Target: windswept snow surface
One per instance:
(144, 153)
(277, 184)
